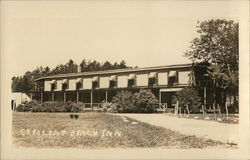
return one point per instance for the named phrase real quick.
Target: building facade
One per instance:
(94, 88)
(18, 98)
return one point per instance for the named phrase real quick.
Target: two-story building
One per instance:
(94, 88)
(100, 86)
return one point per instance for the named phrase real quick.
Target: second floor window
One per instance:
(65, 86)
(131, 82)
(53, 86)
(171, 81)
(112, 84)
(151, 81)
(152, 78)
(78, 85)
(95, 84)
(172, 78)
(113, 81)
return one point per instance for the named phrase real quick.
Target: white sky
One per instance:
(143, 33)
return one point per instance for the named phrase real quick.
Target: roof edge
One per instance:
(113, 70)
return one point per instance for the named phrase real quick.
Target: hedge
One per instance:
(35, 106)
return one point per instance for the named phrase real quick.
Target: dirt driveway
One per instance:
(227, 133)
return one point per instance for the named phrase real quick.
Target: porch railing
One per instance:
(98, 106)
(91, 106)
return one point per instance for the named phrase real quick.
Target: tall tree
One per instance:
(218, 44)
(83, 65)
(123, 64)
(28, 82)
(107, 65)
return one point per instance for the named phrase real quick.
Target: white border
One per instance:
(8, 151)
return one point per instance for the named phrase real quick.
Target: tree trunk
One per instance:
(218, 106)
(203, 111)
(236, 109)
(176, 108)
(214, 111)
(187, 109)
(226, 109)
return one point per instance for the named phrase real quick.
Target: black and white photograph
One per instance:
(124, 79)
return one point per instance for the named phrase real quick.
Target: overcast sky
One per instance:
(143, 33)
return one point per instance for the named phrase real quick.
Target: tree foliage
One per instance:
(69, 67)
(97, 66)
(188, 96)
(218, 44)
(26, 83)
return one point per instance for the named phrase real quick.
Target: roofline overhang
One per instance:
(114, 71)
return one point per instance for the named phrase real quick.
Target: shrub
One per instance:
(71, 116)
(113, 108)
(71, 107)
(109, 107)
(188, 96)
(144, 102)
(29, 106)
(105, 106)
(123, 102)
(34, 106)
(22, 108)
(76, 116)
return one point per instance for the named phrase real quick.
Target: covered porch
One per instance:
(93, 99)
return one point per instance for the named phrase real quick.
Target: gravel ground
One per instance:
(226, 133)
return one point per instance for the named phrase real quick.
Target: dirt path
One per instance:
(227, 133)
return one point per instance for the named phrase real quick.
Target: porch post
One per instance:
(91, 99)
(52, 96)
(98, 94)
(41, 96)
(159, 98)
(214, 91)
(77, 97)
(222, 97)
(205, 96)
(64, 96)
(106, 96)
(35, 86)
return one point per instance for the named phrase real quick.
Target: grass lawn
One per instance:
(96, 130)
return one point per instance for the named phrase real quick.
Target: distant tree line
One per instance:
(26, 83)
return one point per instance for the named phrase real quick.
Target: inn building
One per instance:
(94, 88)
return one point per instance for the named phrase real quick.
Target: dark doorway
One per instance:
(13, 105)
(166, 97)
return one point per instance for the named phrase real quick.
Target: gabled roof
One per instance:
(115, 71)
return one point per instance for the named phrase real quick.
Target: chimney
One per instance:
(78, 68)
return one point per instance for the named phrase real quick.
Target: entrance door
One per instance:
(166, 97)
(13, 105)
